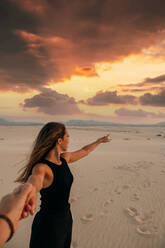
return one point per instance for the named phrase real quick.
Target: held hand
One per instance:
(104, 139)
(13, 204)
(30, 204)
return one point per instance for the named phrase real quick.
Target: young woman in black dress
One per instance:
(48, 171)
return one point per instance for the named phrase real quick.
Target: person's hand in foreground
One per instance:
(15, 206)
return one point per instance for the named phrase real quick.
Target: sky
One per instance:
(92, 59)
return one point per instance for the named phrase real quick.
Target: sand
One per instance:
(118, 195)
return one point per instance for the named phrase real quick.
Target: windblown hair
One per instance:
(45, 141)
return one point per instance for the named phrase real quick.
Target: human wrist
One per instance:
(7, 211)
(7, 229)
(35, 184)
(98, 141)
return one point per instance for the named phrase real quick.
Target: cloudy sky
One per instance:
(91, 59)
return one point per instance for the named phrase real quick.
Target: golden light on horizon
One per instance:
(111, 77)
(10, 102)
(131, 70)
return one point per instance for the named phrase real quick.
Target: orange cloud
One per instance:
(87, 71)
(151, 85)
(37, 7)
(57, 39)
(90, 34)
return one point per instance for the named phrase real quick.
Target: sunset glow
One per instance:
(99, 70)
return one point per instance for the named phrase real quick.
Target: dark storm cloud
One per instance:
(72, 34)
(110, 97)
(52, 103)
(123, 112)
(19, 70)
(157, 100)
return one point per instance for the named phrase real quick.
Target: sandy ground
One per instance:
(118, 195)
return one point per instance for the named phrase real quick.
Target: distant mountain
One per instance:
(93, 123)
(100, 123)
(88, 123)
(162, 124)
(4, 122)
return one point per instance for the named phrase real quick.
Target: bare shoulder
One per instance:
(44, 171)
(41, 168)
(66, 156)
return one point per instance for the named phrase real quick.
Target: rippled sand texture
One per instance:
(118, 195)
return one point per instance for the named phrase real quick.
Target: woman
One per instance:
(48, 171)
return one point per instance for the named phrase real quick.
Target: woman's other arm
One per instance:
(37, 177)
(37, 180)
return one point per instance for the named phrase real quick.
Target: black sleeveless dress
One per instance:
(52, 225)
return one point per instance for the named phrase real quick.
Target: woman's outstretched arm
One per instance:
(84, 151)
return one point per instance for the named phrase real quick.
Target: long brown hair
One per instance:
(45, 141)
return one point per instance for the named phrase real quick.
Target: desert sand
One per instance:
(118, 195)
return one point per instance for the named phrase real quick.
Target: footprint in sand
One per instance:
(106, 203)
(146, 230)
(126, 186)
(126, 168)
(147, 184)
(87, 218)
(143, 229)
(145, 226)
(117, 191)
(143, 218)
(135, 197)
(96, 189)
(131, 211)
(2, 139)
